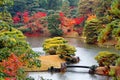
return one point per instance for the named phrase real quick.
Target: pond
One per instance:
(84, 51)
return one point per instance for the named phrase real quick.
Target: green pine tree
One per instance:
(102, 7)
(53, 25)
(4, 14)
(86, 6)
(91, 31)
(66, 7)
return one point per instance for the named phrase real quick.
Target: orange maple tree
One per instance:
(67, 24)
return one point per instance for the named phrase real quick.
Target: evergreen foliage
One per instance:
(102, 7)
(73, 3)
(91, 30)
(4, 14)
(106, 58)
(66, 7)
(53, 25)
(115, 8)
(13, 41)
(35, 5)
(86, 6)
(109, 24)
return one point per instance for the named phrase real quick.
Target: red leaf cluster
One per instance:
(16, 19)
(39, 15)
(79, 20)
(70, 21)
(11, 65)
(7, 78)
(25, 18)
(61, 14)
(25, 14)
(21, 17)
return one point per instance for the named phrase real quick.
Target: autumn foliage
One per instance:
(30, 22)
(11, 65)
(16, 19)
(21, 17)
(67, 24)
(70, 21)
(79, 20)
(37, 25)
(90, 17)
(25, 17)
(39, 15)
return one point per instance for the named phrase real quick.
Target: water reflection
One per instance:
(77, 42)
(84, 51)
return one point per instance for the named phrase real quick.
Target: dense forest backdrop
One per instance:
(96, 20)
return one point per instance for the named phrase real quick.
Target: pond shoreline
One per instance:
(77, 42)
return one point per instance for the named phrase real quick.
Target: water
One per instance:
(84, 51)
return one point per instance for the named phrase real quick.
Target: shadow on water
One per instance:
(84, 51)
